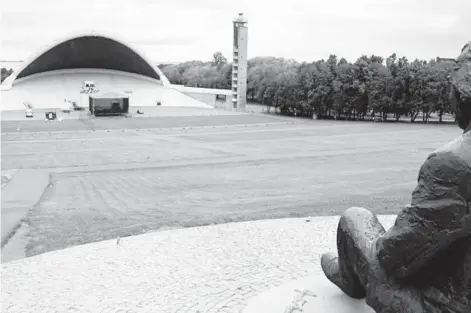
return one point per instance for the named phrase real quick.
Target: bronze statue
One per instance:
(423, 263)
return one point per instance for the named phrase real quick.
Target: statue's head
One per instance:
(461, 87)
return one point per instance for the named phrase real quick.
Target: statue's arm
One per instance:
(438, 216)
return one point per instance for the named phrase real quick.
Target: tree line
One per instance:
(215, 74)
(371, 87)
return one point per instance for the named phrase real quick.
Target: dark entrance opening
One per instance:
(109, 104)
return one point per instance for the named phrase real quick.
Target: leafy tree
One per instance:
(5, 73)
(442, 103)
(321, 89)
(379, 85)
(416, 86)
(219, 59)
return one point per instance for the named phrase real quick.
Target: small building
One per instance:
(111, 103)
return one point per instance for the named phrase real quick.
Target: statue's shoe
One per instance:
(351, 287)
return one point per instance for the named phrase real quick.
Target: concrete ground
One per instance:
(310, 294)
(157, 111)
(207, 269)
(129, 177)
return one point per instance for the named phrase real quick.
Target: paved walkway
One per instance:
(157, 111)
(202, 269)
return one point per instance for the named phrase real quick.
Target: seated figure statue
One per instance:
(423, 263)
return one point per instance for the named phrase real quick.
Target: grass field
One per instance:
(133, 179)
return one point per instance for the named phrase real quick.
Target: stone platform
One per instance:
(312, 294)
(218, 268)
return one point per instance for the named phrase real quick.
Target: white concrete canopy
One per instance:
(59, 71)
(89, 50)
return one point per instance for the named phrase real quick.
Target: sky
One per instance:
(304, 30)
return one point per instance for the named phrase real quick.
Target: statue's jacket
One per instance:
(429, 247)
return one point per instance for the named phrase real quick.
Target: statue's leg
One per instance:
(357, 231)
(385, 295)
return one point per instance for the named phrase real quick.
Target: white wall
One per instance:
(210, 99)
(225, 104)
(48, 90)
(203, 97)
(172, 97)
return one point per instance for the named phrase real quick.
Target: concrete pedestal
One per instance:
(312, 294)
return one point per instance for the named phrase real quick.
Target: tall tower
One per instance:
(239, 64)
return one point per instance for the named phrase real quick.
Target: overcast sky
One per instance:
(306, 30)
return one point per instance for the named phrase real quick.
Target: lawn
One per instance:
(120, 183)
